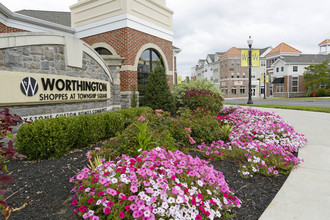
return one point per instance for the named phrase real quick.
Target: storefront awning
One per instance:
(278, 80)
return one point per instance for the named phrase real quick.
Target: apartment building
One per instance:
(234, 79)
(288, 70)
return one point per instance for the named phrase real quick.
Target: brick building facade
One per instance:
(127, 43)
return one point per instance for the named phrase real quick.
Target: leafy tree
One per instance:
(317, 75)
(158, 95)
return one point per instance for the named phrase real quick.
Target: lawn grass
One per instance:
(302, 99)
(293, 107)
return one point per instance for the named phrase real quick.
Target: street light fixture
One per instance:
(264, 85)
(250, 41)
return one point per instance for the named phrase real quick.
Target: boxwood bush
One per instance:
(50, 138)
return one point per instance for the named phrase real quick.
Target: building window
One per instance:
(295, 68)
(277, 69)
(147, 63)
(262, 63)
(253, 75)
(226, 91)
(238, 63)
(270, 62)
(243, 75)
(279, 87)
(232, 75)
(232, 63)
(282, 68)
(242, 90)
(103, 51)
(262, 90)
(237, 75)
(294, 84)
(233, 90)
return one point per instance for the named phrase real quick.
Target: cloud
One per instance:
(202, 27)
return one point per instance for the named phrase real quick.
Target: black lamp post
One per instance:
(264, 85)
(250, 41)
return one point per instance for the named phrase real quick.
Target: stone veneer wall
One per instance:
(50, 59)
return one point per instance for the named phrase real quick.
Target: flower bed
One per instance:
(161, 184)
(157, 184)
(262, 139)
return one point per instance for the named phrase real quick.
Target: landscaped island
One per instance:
(200, 162)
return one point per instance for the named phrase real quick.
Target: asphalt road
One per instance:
(271, 101)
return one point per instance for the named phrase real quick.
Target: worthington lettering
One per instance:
(72, 85)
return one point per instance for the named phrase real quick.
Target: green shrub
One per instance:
(50, 138)
(321, 92)
(196, 98)
(203, 124)
(179, 90)
(157, 94)
(134, 138)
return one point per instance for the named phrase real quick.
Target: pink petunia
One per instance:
(121, 215)
(128, 208)
(106, 210)
(133, 207)
(110, 203)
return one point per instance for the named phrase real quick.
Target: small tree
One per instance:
(317, 75)
(158, 95)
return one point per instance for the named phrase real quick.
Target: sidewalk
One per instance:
(306, 192)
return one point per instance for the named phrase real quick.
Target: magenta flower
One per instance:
(90, 200)
(106, 210)
(128, 208)
(110, 203)
(121, 215)
(198, 217)
(74, 202)
(200, 196)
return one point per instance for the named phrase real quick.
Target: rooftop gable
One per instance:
(284, 48)
(232, 52)
(326, 41)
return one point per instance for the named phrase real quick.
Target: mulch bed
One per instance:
(45, 187)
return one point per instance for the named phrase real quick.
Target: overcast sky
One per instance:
(209, 26)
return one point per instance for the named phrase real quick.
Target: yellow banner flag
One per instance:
(179, 79)
(262, 79)
(244, 57)
(255, 58)
(267, 79)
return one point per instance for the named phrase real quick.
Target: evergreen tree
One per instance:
(158, 95)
